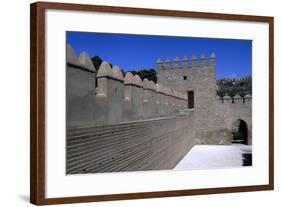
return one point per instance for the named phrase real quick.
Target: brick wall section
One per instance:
(140, 145)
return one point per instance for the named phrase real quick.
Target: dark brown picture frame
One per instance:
(37, 102)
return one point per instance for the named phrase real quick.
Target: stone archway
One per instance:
(240, 132)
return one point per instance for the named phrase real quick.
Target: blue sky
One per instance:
(134, 52)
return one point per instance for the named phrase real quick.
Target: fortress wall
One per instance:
(173, 77)
(80, 88)
(117, 123)
(213, 118)
(160, 103)
(150, 144)
(227, 112)
(115, 111)
(198, 76)
(106, 97)
(138, 93)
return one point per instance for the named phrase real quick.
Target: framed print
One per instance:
(130, 103)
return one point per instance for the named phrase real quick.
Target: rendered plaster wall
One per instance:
(80, 89)
(114, 99)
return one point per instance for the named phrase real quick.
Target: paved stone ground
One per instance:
(216, 156)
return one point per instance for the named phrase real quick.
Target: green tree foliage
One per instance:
(149, 74)
(96, 60)
(232, 86)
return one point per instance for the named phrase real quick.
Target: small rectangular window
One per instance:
(190, 99)
(184, 77)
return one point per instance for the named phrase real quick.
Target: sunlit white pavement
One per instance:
(214, 156)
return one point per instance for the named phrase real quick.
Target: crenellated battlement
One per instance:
(83, 62)
(247, 99)
(150, 126)
(176, 63)
(105, 72)
(103, 96)
(189, 74)
(114, 97)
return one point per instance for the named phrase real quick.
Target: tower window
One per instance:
(184, 77)
(190, 99)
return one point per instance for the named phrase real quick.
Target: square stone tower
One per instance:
(198, 80)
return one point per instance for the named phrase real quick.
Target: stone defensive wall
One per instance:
(237, 99)
(117, 123)
(106, 97)
(188, 73)
(213, 117)
(194, 62)
(138, 145)
(197, 75)
(229, 110)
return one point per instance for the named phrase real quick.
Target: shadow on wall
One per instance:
(247, 159)
(240, 132)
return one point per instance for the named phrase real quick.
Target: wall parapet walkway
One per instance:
(132, 146)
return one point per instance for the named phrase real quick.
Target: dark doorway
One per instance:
(190, 99)
(240, 132)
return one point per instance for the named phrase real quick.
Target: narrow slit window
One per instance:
(190, 95)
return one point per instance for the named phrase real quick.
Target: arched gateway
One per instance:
(240, 132)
